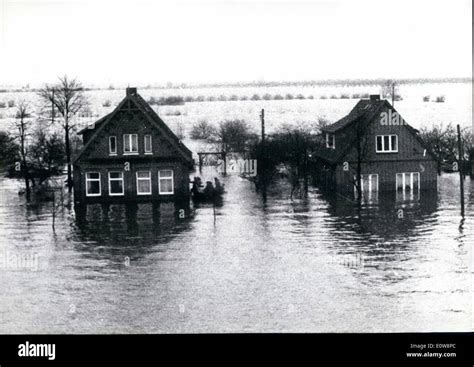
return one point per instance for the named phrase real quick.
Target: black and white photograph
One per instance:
(236, 167)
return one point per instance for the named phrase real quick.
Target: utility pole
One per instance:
(393, 93)
(460, 166)
(263, 169)
(52, 106)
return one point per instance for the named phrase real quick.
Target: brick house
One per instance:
(391, 154)
(131, 155)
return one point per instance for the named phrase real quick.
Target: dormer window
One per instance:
(130, 144)
(330, 141)
(386, 144)
(147, 144)
(112, 145)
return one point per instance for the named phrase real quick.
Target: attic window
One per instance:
(330, 141)
(386, 143)
(148, 149)
(112, 145)
(130, 144)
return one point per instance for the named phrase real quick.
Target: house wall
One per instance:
(409, 158)
(96, 158)
(129, 123)
(180, 180)
(387, 171)
(409, 147)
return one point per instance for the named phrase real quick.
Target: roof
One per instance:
(133, 97)
(95, 124)
(365, 108)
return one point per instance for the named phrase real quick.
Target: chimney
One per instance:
(131, 91)
(375, 97)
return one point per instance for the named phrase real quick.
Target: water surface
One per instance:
(315, 264)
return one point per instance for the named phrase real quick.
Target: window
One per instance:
(130, 144)
(112, 145)
(93, 184)
(330, 141)
(143, 183)
(386, 143)
(148, 149)
(165, 182)
(369, 186)
(369, 182)
(115, 183)
(408, 181)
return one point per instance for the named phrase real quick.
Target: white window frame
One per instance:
(389, 150)
(166, 178)
(371, 190)
(144, 179)
(333, 136)
(150, 151)
(116, 179)
(370, 181)
(93, 179)
(110, 145)
(127, 138)
(411, 179)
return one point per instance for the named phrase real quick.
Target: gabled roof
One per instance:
(134, 98)
(95, 124)
(364, 109)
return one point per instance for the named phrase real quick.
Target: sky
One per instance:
(104, 42)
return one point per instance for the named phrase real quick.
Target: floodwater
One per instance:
(315, 264)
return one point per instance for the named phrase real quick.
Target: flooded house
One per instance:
(131, 155)
(389, 152)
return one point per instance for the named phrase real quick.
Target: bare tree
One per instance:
(232, 136)
(442, 141)
(361, 151)
(296, 142)
(68, 98)
(202, 130)
(22, 124)
(390, 89)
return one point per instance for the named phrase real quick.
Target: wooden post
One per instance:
(224, 158)
(393, 93)
(52, 106)
(263, 169)
(460, 166)
(200, 162)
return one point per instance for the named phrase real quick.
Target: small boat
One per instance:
(209, 193)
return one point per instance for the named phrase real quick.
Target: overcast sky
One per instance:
(141, 42)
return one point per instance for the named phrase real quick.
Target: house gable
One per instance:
(368, 119)
(409, 144)
(132, 116)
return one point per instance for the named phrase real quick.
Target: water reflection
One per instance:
(241, 265)
(382, 234)
(128, 230)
